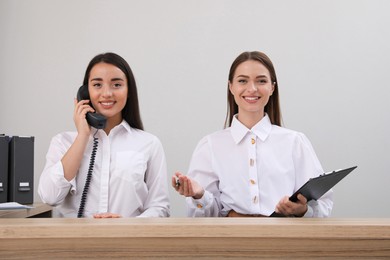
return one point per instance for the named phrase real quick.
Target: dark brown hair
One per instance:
(272, 108)
(130, 112)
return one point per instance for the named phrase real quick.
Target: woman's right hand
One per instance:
(186, 186)
(79, 116)
(71, 161)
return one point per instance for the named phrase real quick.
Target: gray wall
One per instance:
(331, 58)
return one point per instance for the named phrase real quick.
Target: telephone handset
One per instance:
(94, 119)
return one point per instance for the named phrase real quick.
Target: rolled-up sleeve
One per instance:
(53, 187)
(201, 170)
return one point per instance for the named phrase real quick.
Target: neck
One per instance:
(250, 119)
(111, 123)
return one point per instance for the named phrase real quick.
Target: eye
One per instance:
(97, 85)
(263, 81)
(117, 85)
(242, 81)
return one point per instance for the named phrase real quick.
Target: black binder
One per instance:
(4, 141)
(314, 188)
(21, 170)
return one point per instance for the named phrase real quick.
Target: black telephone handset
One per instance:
(94, 119)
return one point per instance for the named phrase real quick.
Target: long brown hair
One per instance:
(272, 108)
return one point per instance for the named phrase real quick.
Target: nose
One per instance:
(106, 91)
(252, 86)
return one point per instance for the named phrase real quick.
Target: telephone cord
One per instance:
(83, 200)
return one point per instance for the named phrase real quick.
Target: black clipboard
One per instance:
(314, 188)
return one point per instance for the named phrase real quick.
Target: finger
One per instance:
(174, 183)
(190, 188)
(108, 215)
(83, 109)
(180, 188)
(279, 208)
(178, 174)
(81, 103)
(185, 185)
(302, 199)
(79, 107)
(283, 206)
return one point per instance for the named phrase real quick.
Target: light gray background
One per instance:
(331, 58)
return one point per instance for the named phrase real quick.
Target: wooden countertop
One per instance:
(185, 238)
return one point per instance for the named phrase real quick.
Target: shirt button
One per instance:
(252, 181)
(253, 141)
(255, 199)
(251, 162)
(199, 206)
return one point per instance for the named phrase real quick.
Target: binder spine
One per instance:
(4, 147)
(21, 170)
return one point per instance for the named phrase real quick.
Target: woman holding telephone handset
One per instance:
(116, 171)
(250, 168)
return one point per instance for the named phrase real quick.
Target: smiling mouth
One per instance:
(251, 98)
(107, 103)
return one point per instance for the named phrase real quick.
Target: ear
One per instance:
(230, 87)
(273, 88)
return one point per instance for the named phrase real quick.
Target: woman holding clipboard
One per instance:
(250, 168)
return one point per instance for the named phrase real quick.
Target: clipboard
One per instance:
(314, 188)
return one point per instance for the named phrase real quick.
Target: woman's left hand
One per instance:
(289, 208)
(106, 215)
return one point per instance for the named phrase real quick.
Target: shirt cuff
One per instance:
(310, 209)
(202, 203)
(59, 178)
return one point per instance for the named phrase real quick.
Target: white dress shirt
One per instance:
(250, 170)
(129, 176)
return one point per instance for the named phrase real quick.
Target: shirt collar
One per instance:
(123, 125)
(262, 129)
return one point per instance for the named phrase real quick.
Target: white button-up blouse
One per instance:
(250, 170)
(129, 176)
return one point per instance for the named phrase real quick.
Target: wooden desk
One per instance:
(40, 210)
(201, 238)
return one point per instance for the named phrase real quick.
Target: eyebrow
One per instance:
(116, 79)
(245, 76)
(113, 79)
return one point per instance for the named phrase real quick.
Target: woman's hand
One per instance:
(106, 215)
(289, 208)
(72, 159)
(186, 186)
(79, 116)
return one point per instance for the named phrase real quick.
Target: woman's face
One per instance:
(251, 87)
(107, 86)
